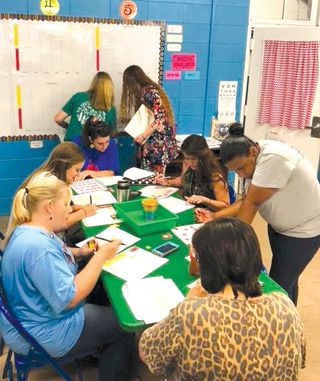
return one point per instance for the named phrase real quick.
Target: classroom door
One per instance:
(310, 147)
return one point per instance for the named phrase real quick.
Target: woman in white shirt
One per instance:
(283, 187)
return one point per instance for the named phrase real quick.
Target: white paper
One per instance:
(175, 205)
(151, 299)
(139, 122)
(193, 284)
(174, 28)
(87, 186)
(134, 263)
(174, 38)
(112, 233)
(174, 47)
(157, 191)
(137, 173)
(97, 198)
(104, 216)
(109, 180)
(186, 232)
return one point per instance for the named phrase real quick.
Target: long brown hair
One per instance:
(61, 158)
(209, 168)
(101, 92)
(134, 78)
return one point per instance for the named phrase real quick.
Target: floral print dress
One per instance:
(161, 147)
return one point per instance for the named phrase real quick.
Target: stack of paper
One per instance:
(186, 232)
(134, 263)
(137, 173)
(103, 216)
(110, 234)
(175, 205)
(87, 186)
(157, 191)
(151, 299)
(109, 180)
(97, 198)
(139, 122)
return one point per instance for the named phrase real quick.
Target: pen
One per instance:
(108, 240)
(90, 199)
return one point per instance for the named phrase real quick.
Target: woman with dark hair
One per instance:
(283, 187)
(97, 101)
(99, 150)
(157, 142)
(226, 328)
(203, 181)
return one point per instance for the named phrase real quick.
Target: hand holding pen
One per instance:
(161, 179)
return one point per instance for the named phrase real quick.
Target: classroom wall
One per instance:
(213, 29)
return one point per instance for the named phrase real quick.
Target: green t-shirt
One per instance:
(80, 109)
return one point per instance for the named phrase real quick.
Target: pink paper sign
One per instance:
(172, 75)
(183, 61)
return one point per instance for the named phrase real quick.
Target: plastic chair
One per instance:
(232, 194)
(37, 357)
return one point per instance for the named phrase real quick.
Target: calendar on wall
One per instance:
(43, 63)
(227, 101)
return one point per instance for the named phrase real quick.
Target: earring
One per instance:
(91, 145)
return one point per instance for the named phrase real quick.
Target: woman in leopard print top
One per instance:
(226, 329)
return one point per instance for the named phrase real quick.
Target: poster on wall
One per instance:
(43, 63)
(227, 101)
(183, 61)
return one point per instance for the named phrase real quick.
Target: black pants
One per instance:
(290, 256)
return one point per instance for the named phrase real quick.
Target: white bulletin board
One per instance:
(43, 63)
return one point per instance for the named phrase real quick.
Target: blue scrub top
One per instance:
(38, 278)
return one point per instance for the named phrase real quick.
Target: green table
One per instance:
(176, 269)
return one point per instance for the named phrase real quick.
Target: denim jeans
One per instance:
(102, 331)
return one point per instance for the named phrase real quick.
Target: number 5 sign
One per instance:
(128, 10)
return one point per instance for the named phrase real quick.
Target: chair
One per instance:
(37, 357)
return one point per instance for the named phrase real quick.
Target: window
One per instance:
(284, 11)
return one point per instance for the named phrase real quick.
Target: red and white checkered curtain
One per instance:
(288, 83)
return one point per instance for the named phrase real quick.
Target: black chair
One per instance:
(37, 357)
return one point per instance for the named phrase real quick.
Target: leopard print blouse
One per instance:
(214, 338)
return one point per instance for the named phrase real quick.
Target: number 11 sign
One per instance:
(128, 10)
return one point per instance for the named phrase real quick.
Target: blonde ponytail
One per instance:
(26, 201)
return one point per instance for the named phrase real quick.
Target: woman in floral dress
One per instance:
(157, 143)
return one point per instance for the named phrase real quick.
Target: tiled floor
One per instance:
(309, 301)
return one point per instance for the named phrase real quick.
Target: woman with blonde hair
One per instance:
(46, 293)
(98, 102)
(157, 143)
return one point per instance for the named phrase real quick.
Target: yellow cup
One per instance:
(149, 206)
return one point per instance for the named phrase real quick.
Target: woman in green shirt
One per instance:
(98, 102)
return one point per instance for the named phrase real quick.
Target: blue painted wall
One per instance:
(213, 29)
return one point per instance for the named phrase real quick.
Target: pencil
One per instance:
(90, 199)
(108, 240)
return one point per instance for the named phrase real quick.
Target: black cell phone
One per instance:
(165, 249)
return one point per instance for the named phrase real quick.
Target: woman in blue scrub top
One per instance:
(46, 293)
(99, 150)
